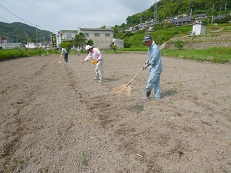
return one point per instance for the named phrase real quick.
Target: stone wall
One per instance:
(203, 42)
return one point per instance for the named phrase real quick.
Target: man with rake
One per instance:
(155, 68)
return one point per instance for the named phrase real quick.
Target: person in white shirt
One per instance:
(65, 53)
(96, 55)
(78, 50)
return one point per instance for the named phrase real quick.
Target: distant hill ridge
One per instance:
(14, 33)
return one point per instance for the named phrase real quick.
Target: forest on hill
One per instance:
(170, 8)
(17, 33)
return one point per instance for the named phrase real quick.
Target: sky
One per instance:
(56, 15)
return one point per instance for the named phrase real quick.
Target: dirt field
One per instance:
(55, 118)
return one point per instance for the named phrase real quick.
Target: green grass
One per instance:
(84, 159)
(18, 53)
(216, 54)
(135, 49)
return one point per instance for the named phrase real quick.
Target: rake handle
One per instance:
(135, 76)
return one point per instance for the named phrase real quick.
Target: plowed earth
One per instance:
(56, 118)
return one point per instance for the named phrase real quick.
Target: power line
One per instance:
(16, 15)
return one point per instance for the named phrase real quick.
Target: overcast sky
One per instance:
(55, 15)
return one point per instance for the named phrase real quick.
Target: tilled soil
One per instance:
(55, 118)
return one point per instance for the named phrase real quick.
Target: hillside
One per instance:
(14, 32)
(171, 8)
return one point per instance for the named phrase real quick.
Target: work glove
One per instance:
(83, 62)
(146, 65)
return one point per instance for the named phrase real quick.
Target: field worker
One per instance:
(97, 56)
(78, 50)
(155, 68)
(65, 53)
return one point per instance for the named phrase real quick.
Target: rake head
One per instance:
(123, 90)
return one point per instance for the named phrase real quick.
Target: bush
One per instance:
(17, 53)
(13, 53)
(114, 48)
(179, 44)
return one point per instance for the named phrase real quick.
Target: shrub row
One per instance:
(17, 53)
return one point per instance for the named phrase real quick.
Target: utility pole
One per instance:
(191, 13)
(212, 14)
(27, 39)
(155, 10)
(37, 34)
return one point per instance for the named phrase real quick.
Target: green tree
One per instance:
(67, 45)
(103, 27)
(79, 40)
(90, 42)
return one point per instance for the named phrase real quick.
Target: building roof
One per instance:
(184, 19)
(95, 29)
(201, 15)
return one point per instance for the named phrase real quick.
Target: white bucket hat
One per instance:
(88, 47)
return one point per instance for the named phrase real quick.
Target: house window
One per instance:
(69, 35)
(97, 34)
(86, 34)
(107, 34)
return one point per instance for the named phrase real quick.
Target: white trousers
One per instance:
(99, 70)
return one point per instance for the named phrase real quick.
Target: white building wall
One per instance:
(67, 34)
(118, 43)
(199, 29)
(102, 38)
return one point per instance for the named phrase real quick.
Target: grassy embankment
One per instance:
(214, 32)
(216, 54)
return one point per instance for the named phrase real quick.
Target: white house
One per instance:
(102, 38)
(33, 45)
(199, 29)
(10, 45)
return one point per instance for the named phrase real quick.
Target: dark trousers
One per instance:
(66, 57)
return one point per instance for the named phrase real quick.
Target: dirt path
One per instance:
(56, 118)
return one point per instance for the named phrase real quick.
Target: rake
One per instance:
(126, 88)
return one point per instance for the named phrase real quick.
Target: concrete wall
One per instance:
(118, 43)
(102, 38)
(199, 29)
(199, 45)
